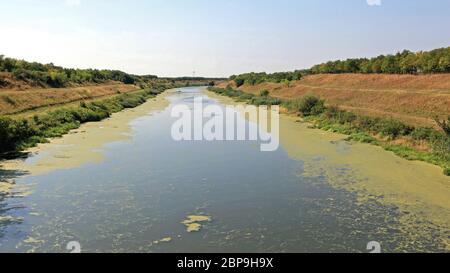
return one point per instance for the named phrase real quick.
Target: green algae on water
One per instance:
(192, 222)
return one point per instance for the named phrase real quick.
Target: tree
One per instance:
(239, 82)
(408, 64)
(390, 65)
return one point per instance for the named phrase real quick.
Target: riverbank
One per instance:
(412, 143)
(59, 153)
(412, 99)
(25, 130)
(417, 190)
(19, 101)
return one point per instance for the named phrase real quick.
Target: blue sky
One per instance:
(216, 37)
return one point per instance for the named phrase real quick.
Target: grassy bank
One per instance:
(17, 134)
(412, 143)
(412, 99)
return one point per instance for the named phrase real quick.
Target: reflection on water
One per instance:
(140, 195)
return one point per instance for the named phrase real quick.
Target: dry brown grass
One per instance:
(413, 99)
(16, 101)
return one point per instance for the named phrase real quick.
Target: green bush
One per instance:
(265, 101)
(257, 78)
(441, 147)
(393, 128)
(264, 93)
(311, 105)
(445, 125)
(12, 132)
(239, 82)
(447, 171)
(425, 133)
(246, 97)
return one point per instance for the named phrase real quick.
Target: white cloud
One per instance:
(374, 2)
(73, 3)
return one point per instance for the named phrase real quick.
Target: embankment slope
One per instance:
(414, 99)
(15, 101)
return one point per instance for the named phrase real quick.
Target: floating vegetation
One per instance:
(10, 219)
(31, 240)
(5, 187)
(166, 240)
(193, 222)
(163, 240)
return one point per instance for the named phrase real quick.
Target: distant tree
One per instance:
(405, 62)
(239, 81)
(390, 65)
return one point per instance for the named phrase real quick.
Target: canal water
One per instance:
(141, 191)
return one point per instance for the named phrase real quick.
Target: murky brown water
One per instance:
(123, 185)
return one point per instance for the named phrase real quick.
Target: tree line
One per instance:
(56, 76)
(257, 78)
(405, 62)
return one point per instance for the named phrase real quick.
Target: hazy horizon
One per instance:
(216, 38)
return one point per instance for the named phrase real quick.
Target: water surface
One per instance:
(131, 191)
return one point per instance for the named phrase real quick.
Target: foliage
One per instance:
(257, 78)
(445, 125)
(406, 62)
(264, 93)
(55, 76)
(311, 105)
(246, 97)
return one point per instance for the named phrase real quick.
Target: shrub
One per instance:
(57, 79)
(311, 105)
(447, 171)
(445, 125)
(345, 117)
(441, 147)
(368, 123)
(13, 132)
(264, 93)
(265, 101)
(393, 128)
(246, 96)
(424, 133)
(239, 82)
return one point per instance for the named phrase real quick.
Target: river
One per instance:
(124, 185)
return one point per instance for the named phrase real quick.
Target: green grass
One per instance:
(263, 99)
